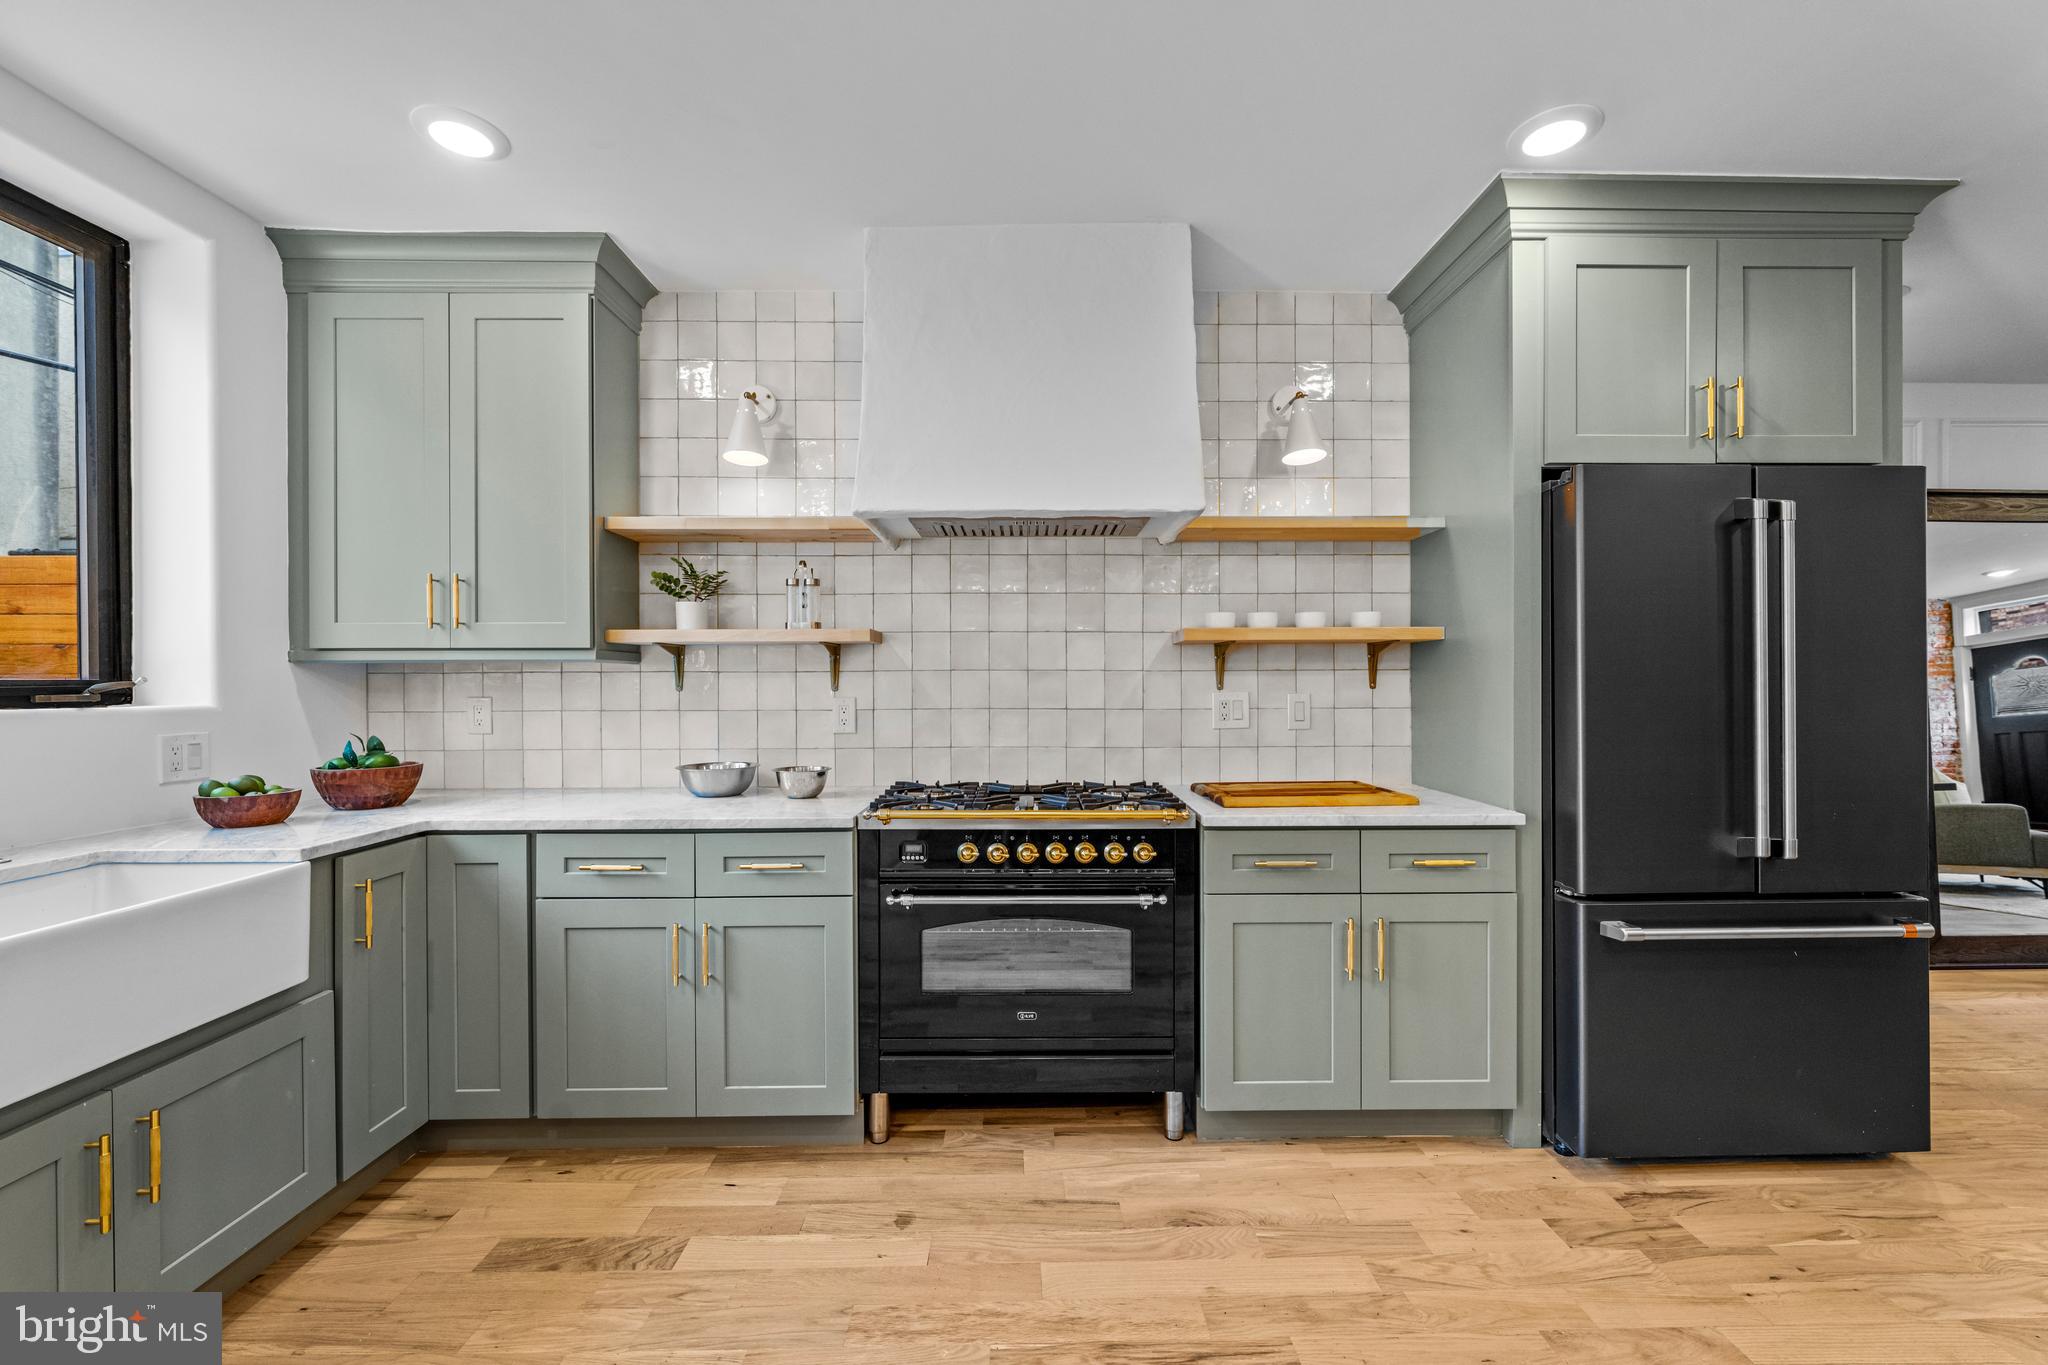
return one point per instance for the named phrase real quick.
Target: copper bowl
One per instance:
(246, 812)
(366, 788)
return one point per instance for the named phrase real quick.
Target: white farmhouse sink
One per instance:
(103, 961)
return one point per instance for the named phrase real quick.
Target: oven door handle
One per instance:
(1621, 931)
(1144, 900)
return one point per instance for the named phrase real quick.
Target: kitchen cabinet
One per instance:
(380, 957)
(55, 1183)
(1280, 1006)
(614, 1008)
(218, 1149)
(1800, 326)
(478, 1004)
(773, 1003)
(1439, 1000)
(464, 413)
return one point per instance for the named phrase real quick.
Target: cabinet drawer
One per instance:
(1438, 859)
(588, 866)
(1270, 861)
(803, 863)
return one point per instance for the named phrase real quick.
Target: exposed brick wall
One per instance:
(2019, 616)
(1941, 689)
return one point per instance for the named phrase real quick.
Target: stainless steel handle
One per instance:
(1621, 931)
(1144, 900)
(1755, 512)
(1785, 517)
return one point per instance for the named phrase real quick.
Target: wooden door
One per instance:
(1280, 1002)
(614, 1008)
(775, 1021)
(478, 1014)
(1439, 1014)
(380, 956)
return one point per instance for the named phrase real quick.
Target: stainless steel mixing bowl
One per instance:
(716, 779)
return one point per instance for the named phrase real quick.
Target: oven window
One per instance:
(1065, 956)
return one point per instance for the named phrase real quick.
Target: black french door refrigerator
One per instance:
(1738, 815)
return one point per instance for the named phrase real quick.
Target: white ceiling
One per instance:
(745, 143)
(1959, 553)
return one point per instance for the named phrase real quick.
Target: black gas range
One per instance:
(1023, 939)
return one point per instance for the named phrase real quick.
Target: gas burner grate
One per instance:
(1044, 799)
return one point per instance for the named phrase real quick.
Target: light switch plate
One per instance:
(181, 758)
(478, 710)
(1298, 710)
(845, 715)
(1230, 711)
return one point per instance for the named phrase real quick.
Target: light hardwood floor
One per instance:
(1072, 1238)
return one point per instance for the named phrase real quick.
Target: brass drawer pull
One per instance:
(430, 601)
(105, 1147)
(768, 867)
(1713, 401)
(704, 953)
(675, 952)
(611, 867)
(1285, 862)
(457, 580)
(1350, 949)
(155, 1189)
(1741, 407)
(369, 938)
(1379, 949)
(1443, 862)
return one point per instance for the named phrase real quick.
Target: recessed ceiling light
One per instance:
(2000, 573)
(461, 132)
(1556, 130)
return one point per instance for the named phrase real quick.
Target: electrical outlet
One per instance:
(181, 758)
(1298, 710)
(845, 716)
(479, 712)
(1230, 711)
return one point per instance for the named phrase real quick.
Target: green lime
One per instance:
(381, 761)
(247, 783)
(222, 791)
(272, 789)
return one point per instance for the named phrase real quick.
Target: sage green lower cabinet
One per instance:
(614, 1008)
(380, 970)
(1439, 1002)
(1280, 1019)
(478, 1004)
(51, 1236)
(775, 1007)
(244, 1137)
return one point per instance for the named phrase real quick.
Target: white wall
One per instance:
(208, 456)
(1979, 435)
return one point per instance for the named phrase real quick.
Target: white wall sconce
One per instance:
(746, 446)
(1303, 445)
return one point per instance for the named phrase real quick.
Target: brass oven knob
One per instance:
(1113, 853)
(967, 852)
(1144, 852)
(998, 854)
(1084, 852)
(1055, 854)
(1027, 853)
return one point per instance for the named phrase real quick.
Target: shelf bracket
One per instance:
(1373, 650)
(676, 653)
(1222, 652)
(832, 653)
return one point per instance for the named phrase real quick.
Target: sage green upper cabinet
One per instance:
(464, 415)
(1630, 332)
(1800, 330)
(380, 972)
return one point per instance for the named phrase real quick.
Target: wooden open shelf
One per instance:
(1376, 639)
(853, 531)
(676, 641)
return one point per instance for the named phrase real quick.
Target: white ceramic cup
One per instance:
(1262, 620)
(1220, 620)
(1312, 619)
(1365, 619)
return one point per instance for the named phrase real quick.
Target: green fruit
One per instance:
(221, 791)
(373, 745)
(206, 786)
(247, 784)
(272, 789)
(381, 761)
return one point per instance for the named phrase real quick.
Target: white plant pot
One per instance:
(693, 616)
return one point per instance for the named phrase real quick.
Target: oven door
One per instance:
(1020, 965)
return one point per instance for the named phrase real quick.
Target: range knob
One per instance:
(1055, 853)
(967, 852)
(1027, 853)
(998, 854)
(1144, 852)
(1113, 853)
(1084, 852)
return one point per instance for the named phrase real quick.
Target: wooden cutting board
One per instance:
(1328, 792)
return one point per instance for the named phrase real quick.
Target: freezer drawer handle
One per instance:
(1621, 931)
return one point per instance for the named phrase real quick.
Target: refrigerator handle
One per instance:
(1755, 512)
(1785, 517)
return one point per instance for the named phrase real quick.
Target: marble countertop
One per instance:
(1437, 809)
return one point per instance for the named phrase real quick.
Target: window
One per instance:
(64, 622)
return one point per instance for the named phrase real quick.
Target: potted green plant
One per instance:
(694, 590)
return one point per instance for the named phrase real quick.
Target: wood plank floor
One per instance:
(1076, 1238)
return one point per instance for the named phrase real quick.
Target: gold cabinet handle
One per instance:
(155, 1189)
(675, 953)
(105, 1147)
(456, 579)
(611, 867)
(1379, 949)
(1285, 862)
(704, 953)
(768, 867)
(1741, 407)
(369, 938)
(1713, 393)
(1443, 862)
(430, 601)
(1350, 949)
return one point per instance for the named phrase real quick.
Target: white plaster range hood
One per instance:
(1033, 380)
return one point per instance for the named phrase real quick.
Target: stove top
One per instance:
(1072, 803)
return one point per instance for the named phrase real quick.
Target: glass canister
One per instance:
(802, 590)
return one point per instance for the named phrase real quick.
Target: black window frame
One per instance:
(100, 309)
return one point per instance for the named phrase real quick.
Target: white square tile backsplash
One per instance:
(1030, 660)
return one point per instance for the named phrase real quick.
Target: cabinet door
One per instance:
(478, 1018)
(51, 1234)
(775, 1021)
(1439, 975)
(1280, 1001)
(380, 956)
(376, 485)
(1629, 341)
(614, 1003)
(1801, 326)
(244, 1142)
(520, 442)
